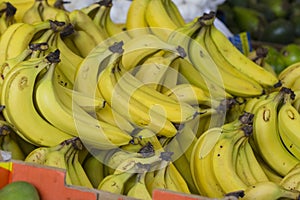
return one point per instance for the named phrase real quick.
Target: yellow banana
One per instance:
(291, 180)
(136, 23)
(201, 164)
(274, 153)
(142, 46)
(7, 17)
(139, 189)
(268, 190)
(163, 25)
(93, 168)
(26, 73)
(288, 124)
(137, 115)
(241, 62)
(83, 42)
(174, 13)
(82, 21)
(17, 38)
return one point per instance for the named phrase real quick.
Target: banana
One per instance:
(83, 42)
(191, 94)
(268, 190)
(241, 62)
(33, 14)
(242, 166)
(153, 70)
(100, 16)
(142, 46)
(115, 183)
(201, 164)
(82, 21)
(114, 96)
(291, 180)
(26, 74)
(183, 167)
(223, 160)
(87, 103)
(289, 74)
(93, 168)
(7, 16)
(38, 155)
(161, 25)
(288, 124)
(171, 77)
(190, 75)
(56, 158)
(174, 13)
(108, 115)
(69, 60)
(81, 174)
(174, 110)
(274, 153)
(158, 180)
(17, 38)
(146, 136)
(136, 23)
(139, 189)
(254, 164)
(270, 173)
(71, 175)
(175, 181)
(229, 73)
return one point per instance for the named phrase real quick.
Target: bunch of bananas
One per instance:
(154, 103)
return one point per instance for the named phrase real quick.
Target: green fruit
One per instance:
(281, 8)
(250, 20)
(19, 190)
(290, 53)
(274, 59)
(280, 31)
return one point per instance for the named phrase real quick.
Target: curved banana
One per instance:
(201, 164)
(163, 25)
(265, 126)
(153, 70)
(291, 180)
(268, 190)
(108, 115)
(235, 82)
(12, 93)
(83, 42)
(82, 21)
(254, 164)
(174, 180)
(223, 158)
(174, 13)
(17, 38)
(142, 46)
(191, 94)
(136, 23)
(139, 189)
(115, 183)
(241, 62)
(174, 110)
(33, 14)
(289, 74)
(288, 126)
(135, 112)
(79, 170)
(7, 16)
(93, 168)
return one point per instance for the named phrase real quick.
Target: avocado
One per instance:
(250, 20)
(280, 31)
(19, 190)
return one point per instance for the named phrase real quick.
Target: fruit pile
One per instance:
(154, 103)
